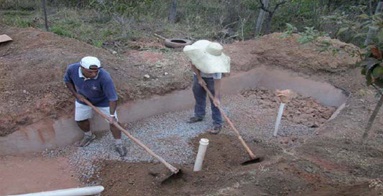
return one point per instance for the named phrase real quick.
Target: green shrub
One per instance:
(26, 5)
(59, 30)
(17, 21)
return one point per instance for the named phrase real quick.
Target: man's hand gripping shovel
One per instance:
(176, 173)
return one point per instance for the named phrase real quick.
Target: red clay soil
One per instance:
(330, 163)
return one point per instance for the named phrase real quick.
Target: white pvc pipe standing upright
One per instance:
(280, 112)
(92, 190)
(201, 154)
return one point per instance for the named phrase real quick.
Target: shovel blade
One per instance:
(252, 161)
(173, 176)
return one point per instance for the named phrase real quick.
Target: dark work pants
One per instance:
(200, 100)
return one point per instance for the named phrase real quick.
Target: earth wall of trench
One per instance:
(48, 134)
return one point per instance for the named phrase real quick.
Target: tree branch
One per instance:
(278, 4)
(263, 7)
(275, 8)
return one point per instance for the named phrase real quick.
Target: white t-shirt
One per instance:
(215, 76)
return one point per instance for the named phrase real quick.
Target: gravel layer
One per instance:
(168, 135)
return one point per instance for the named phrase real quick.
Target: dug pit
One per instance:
(248, 103)
(301, 160)
(160, 123)
(261, 110)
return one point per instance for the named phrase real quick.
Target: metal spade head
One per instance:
(252, 161)
(173, 176)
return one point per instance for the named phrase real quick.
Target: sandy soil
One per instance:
(330, 162)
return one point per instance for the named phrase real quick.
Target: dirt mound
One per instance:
(330, 162)
(325, 54)
(33, 65)
(301, 109)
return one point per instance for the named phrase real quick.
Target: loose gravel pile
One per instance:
(253, 113)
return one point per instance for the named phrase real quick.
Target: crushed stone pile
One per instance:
(169, 135)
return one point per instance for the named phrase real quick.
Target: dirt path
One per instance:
(33, 173)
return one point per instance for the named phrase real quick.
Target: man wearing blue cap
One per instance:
(86, 80)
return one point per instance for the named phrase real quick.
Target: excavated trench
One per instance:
(50, 134)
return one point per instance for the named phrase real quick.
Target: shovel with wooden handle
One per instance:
(175, 172)
(253, 159)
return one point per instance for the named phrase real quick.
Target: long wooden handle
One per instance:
(251, 154)
(115, 123)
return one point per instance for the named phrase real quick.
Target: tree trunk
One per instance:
(261, 18)
(268, 23)
(173, 12)
(43, 2)
(372, 117)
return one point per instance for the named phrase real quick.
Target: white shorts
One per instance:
(83, 112)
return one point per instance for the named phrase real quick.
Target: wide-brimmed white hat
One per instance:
(208, 57)
(88, 61)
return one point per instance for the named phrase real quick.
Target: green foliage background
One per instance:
(103, 21)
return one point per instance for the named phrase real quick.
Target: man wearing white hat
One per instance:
(86, 80)
(208, 63)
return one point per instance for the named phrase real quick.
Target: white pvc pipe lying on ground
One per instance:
(280, 112)
(92, 190)
(201, 154)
